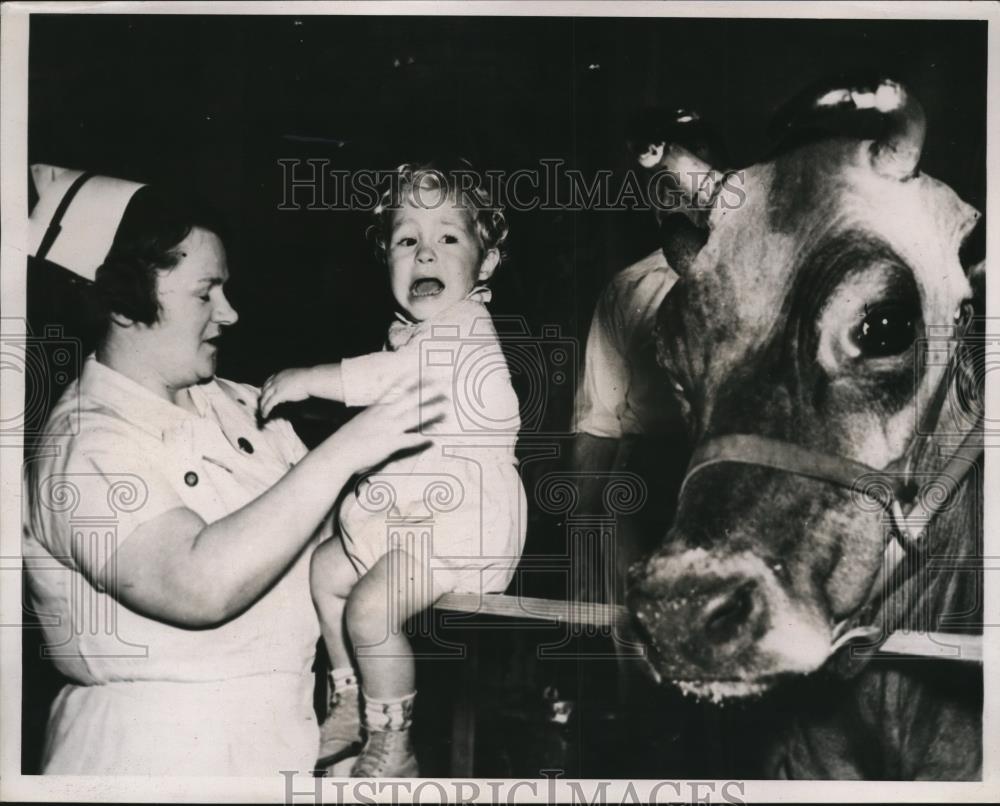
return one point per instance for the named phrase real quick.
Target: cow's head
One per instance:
(798, 318)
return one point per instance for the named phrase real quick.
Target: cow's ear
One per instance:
(681, 240)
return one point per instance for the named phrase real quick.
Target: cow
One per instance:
(835, 491)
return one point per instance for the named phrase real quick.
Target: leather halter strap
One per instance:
(752, 449)
(911, 515)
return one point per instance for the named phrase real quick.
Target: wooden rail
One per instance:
(945, 646)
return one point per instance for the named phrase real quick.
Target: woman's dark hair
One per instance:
(154, 224)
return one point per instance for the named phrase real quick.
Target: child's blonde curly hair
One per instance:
(460, 182)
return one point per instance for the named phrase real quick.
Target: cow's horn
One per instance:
(898, 152)
(881, 111)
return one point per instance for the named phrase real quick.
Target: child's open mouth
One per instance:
(426, 287)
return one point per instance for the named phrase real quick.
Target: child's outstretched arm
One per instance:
(323, 380)
(372, 377)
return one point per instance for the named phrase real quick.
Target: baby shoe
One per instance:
(387, 754)
(340, 733)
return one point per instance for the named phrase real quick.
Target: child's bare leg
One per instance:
(396, 587)
(331, 577)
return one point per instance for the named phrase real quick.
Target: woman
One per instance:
(168, 530)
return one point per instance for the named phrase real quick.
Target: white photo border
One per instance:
(14, 25)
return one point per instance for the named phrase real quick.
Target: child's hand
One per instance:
(284, 387)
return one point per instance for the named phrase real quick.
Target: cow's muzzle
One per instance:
(708, 617)
(698, 625)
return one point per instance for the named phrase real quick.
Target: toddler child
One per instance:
(451, 518)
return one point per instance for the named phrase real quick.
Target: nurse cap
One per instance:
(76, 217)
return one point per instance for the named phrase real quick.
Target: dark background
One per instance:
(212, 103)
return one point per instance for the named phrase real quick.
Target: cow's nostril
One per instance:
(725, 616)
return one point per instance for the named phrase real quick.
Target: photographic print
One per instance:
(496, 402)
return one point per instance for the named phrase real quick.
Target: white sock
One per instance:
(393, 714)
(343, 678)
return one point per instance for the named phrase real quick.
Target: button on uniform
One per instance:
(245, 445)
(190, 478)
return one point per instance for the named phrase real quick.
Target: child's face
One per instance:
(435, 257)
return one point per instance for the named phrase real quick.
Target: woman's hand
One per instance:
(397, 424)
(286, 386)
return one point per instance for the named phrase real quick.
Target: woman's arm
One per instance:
(177, 568)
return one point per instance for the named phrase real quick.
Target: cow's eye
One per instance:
(885, 330)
